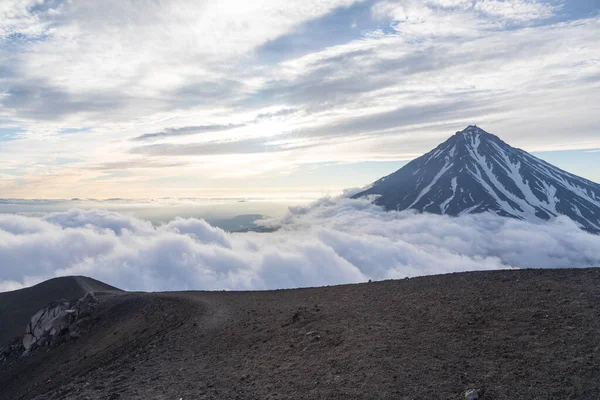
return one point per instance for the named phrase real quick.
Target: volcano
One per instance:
(475, 171)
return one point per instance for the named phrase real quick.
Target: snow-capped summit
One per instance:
(471, 129)
(475, 171)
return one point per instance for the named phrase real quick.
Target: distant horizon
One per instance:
(574, 162)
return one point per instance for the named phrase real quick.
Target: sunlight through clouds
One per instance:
(216, 92)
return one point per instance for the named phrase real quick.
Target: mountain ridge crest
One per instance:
(474, 171)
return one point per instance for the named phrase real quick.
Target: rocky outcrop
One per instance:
(56, 323)
(60, 321)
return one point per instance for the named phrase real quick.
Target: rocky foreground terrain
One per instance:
(521, 334)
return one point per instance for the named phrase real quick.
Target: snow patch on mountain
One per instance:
(475, 171)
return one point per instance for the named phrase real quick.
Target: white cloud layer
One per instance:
(329, 242)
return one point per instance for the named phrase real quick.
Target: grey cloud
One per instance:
(133, 164)
(349, 79)
(37, 99)
(6, 71)
(279, 113)
(204, 93)
(345, 78)
(193, 130)
(186, 131)
(347, 57)
(363, 72)
(243, 146)
(380, 124)
(402, 117)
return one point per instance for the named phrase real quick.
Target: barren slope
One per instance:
(513, 334)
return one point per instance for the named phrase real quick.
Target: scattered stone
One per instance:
(74, 335)
(472, 394)
(14, 348)
(295, 317)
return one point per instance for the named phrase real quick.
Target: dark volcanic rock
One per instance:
(17, 306)
(12, 349)
(60, 321)
(474, 171)
(516, 334)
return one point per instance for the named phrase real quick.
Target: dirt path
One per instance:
(511, 334)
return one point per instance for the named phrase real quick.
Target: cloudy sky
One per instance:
(125, 98)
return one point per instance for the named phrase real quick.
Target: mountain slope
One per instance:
(511, 334)
(475, 171)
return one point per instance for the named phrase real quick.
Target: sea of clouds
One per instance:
(332, 241)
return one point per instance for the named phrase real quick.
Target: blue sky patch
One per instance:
(68, 131)
(341, 26)
(7, 134)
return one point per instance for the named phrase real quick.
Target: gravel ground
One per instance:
(521, 334)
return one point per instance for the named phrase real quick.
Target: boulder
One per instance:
(59, 321)
(48, 322)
